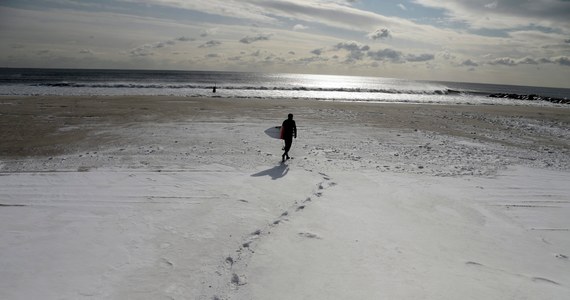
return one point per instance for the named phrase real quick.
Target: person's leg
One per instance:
(288, 143)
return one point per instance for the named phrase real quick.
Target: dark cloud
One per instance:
(380, 34)
(563, 61)
(312, 59)
(386, 55)
(356, 50)
(351, 46)
(164, 44)
(147, 49)
(507, 61)
(419, 58)
(292, 52)
(545, 61)
(210, 44)
(469, 63)
(317, 51)
(252, 39)
(185, 39)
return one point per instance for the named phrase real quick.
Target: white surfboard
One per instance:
(274, 132)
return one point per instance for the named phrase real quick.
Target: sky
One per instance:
(522, 42)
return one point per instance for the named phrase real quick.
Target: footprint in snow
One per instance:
(238, 280)
(544, 280)
(165, 263)
(309, 235)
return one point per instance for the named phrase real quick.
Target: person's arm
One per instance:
(294, 129)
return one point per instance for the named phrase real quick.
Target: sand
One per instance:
(186, 198)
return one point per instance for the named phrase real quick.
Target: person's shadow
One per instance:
(275, 172)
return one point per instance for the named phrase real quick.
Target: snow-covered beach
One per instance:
(186, 198)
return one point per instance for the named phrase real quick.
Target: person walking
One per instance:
(288, 132)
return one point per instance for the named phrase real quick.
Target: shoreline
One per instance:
(74, 127)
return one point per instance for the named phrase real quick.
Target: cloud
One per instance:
(386, 55)
(527, 61)
(469, 63)
(164, 44)
(352, 46)
(447, 55)
(210, 44)
(395, 56)
(299, 27)
(419, 58)
(86, 51)
(491, 5)
(563, 61)
(141, 52)
(359, 51)
(208, 32)
(380, 34)
(43, 52)
(291, 52)
(312, 59)
(185, 39)
(504, 61)
(402, 6)
(317, 51)
(147, 49)
(508, 61)
(356, 50)
(144, 50)
(335, 14)
(252, 39)
(506, 14)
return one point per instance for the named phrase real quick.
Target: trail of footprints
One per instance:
(232, 266)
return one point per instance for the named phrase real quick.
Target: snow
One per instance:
(414, 237)
(375, 213)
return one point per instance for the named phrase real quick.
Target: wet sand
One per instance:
(45, 126)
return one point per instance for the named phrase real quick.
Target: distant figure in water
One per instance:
(214, 89)
(288, 132)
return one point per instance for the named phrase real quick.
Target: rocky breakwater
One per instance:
(531, 97)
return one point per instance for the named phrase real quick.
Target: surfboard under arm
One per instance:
(274, 132)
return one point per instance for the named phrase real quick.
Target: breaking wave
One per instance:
(415, 91)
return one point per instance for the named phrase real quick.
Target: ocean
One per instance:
(74, 82)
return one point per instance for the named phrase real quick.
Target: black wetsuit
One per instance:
(289, 131)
